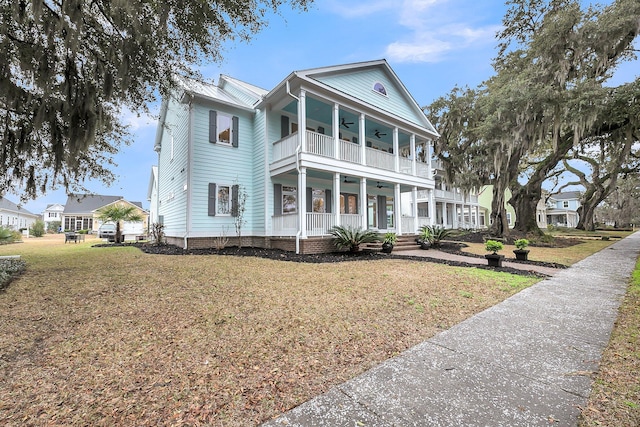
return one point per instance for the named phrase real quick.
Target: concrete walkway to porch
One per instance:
(524, 362)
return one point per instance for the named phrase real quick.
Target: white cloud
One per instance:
(425, 30)
(137, 121)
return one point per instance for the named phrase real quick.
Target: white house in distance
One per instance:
(15, 217)
(52, 213)
(337, 145)
(562, 209)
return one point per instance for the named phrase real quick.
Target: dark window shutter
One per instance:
(277, 199)
(234, 199)
(382, 212)
(309, 199)
(213, 126)
(213, 196)
(329, 201)
(234, 132)
(284, 126)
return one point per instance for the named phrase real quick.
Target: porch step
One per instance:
(406, 242)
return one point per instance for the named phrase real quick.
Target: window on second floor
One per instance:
(223, 128)
(565, 204)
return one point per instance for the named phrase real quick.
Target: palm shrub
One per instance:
(351, 238)
(117, 214)
(434, 234)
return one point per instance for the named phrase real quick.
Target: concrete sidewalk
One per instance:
(524, 362)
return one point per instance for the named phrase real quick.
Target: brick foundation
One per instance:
(311, 245)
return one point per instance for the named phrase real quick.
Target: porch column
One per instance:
(414, 207)
(363, 141)
(336, 130)
(336, 197)
(364, 202)
(445, 220)
(413, 155)
(302, 121)
(396, 206)
(432, 207)
(396, 151)
(302, 202)
(429, 157)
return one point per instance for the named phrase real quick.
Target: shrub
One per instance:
(37, 229)
(351, 238)
(493, 246)
(157, 233)
(6, 235)
(521, 244)
(10, 268)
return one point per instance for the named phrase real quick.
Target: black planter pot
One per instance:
(425, 245)
(494, 260)
(387, 248)
(522, 254)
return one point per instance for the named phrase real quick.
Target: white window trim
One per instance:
(229, 143)
(230, 201)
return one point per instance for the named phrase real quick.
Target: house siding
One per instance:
(220, 164)
(360, 84)
(256, 200)
(172, 172)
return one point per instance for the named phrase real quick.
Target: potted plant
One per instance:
(493, 259)
(388, 241)
(522, 253)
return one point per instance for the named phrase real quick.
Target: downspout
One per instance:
(188, 173)
(298, 149)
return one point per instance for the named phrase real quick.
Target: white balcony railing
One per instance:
(380, 159)
(350, 152)
(405, 165)
(422, 169)
(285, 147)
(321, 145)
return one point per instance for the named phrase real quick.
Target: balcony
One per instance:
(325, 146)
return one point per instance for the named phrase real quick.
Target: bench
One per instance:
(75, 237)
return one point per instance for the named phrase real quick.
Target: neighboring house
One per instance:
(15, 217)
(81, 212)
(152, 195)
(562, 209)
(52, 213)
(341, 145)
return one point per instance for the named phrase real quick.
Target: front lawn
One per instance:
(113, 336)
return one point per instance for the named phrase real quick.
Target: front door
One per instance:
(372, 212)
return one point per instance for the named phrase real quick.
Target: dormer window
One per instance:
(379, 87)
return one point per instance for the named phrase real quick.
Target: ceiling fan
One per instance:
(380, 185)
(378, 134)
(345, 123)
(348, 181)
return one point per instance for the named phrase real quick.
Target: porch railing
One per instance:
(321, 145)
(405, 165)
(408, 225)
(422, 169)
(380, 159)
(285, 147)
(285, 225)
(350, 152)
(351, 220)
(422, 221)
(319, 224)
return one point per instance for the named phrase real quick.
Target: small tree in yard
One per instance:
(117, 214)
(157, 232)
(37, 229)
(239, 207)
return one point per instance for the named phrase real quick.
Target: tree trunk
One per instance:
(499, 224)
(525, 202)
(585, 220)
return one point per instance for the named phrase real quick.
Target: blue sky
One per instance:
(432, 45)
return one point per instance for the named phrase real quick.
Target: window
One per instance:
(223, 200)
(348, 203)
(509, 217)
(565, 204)
(379, 88)
(223, 128)
(318, 203)
(289, 199)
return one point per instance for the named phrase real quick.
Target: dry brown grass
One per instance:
(113, 336)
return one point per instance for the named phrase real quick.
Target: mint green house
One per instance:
(341, 145)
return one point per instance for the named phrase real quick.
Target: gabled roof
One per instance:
(209, 91)
(332, 78)
(56, 206)
(252, 90)
(567, 195)
(8, 205)
(88, 203)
